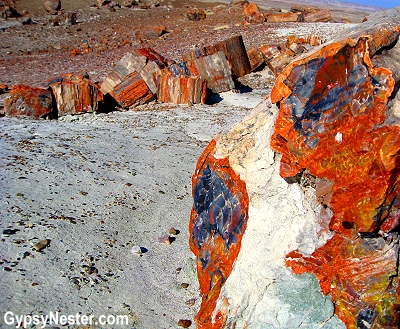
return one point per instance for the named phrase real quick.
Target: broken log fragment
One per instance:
(256, 59)
(234, 51)
(181, 89)
(132, 91)
(284, 17)
(75, 94)
(318, 16)
(215, 70)
(28, 101)
(139, 68)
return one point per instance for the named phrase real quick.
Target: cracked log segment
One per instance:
(182, 89)
(75, 94)
(234, 51)
(311, 189)
(133, 80)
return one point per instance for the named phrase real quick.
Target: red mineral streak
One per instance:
(332, 110)
(219, 254)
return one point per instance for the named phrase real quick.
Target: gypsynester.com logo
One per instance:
(57, 319)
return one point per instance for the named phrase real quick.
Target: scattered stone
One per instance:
(9, 12)
(173, 231)
(166, 239)
(103, 2)
(29, 101)
(70, 18)
(191, 301)
(184, 323)
(41, 244)
(52, 6)
(8, 231)
(196, 14)
(3, 88)
(184, 285)
(252, 14)
(136, 250)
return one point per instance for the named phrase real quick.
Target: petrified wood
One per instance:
(29, 101)
(75, 94)
(181, 89)
(339, 142)
(332, 124)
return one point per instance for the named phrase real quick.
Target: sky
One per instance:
(378, 3)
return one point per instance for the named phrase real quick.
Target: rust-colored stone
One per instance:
(318, 16)
(216, 228)
(196, 14)
(28, 101)
(215, 70)
(132, 91)
(282, 17)
(256, 58)
(75, 94)
(332, 124)
(234, 51)
(181, 90)
(253, 14)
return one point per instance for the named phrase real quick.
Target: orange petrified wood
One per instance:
(332, 125)
(218, 221)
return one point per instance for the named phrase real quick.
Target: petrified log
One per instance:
(234, 51)
(28, 101)
(296, 211)
(143, 65)
(215, 70)
(75, 94)
(127, 64)
(132, 91)
(256, 59)
(318, 16)
(182, 89)
(252, 14)
(283, 17)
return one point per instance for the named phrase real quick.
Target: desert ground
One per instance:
(98, 188)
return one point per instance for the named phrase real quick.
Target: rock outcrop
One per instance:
(295, 219)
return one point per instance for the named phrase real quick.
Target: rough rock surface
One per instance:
(29, 101)
(325, 206)
(75, 94)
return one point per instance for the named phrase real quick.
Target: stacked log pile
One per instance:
(144, 75)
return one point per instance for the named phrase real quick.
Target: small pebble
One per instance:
(165, 239)
(184, 323)
(184, 285)
(136, 250)
(8, 231)
(41, 244)
(173, 231)
(191, 301)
